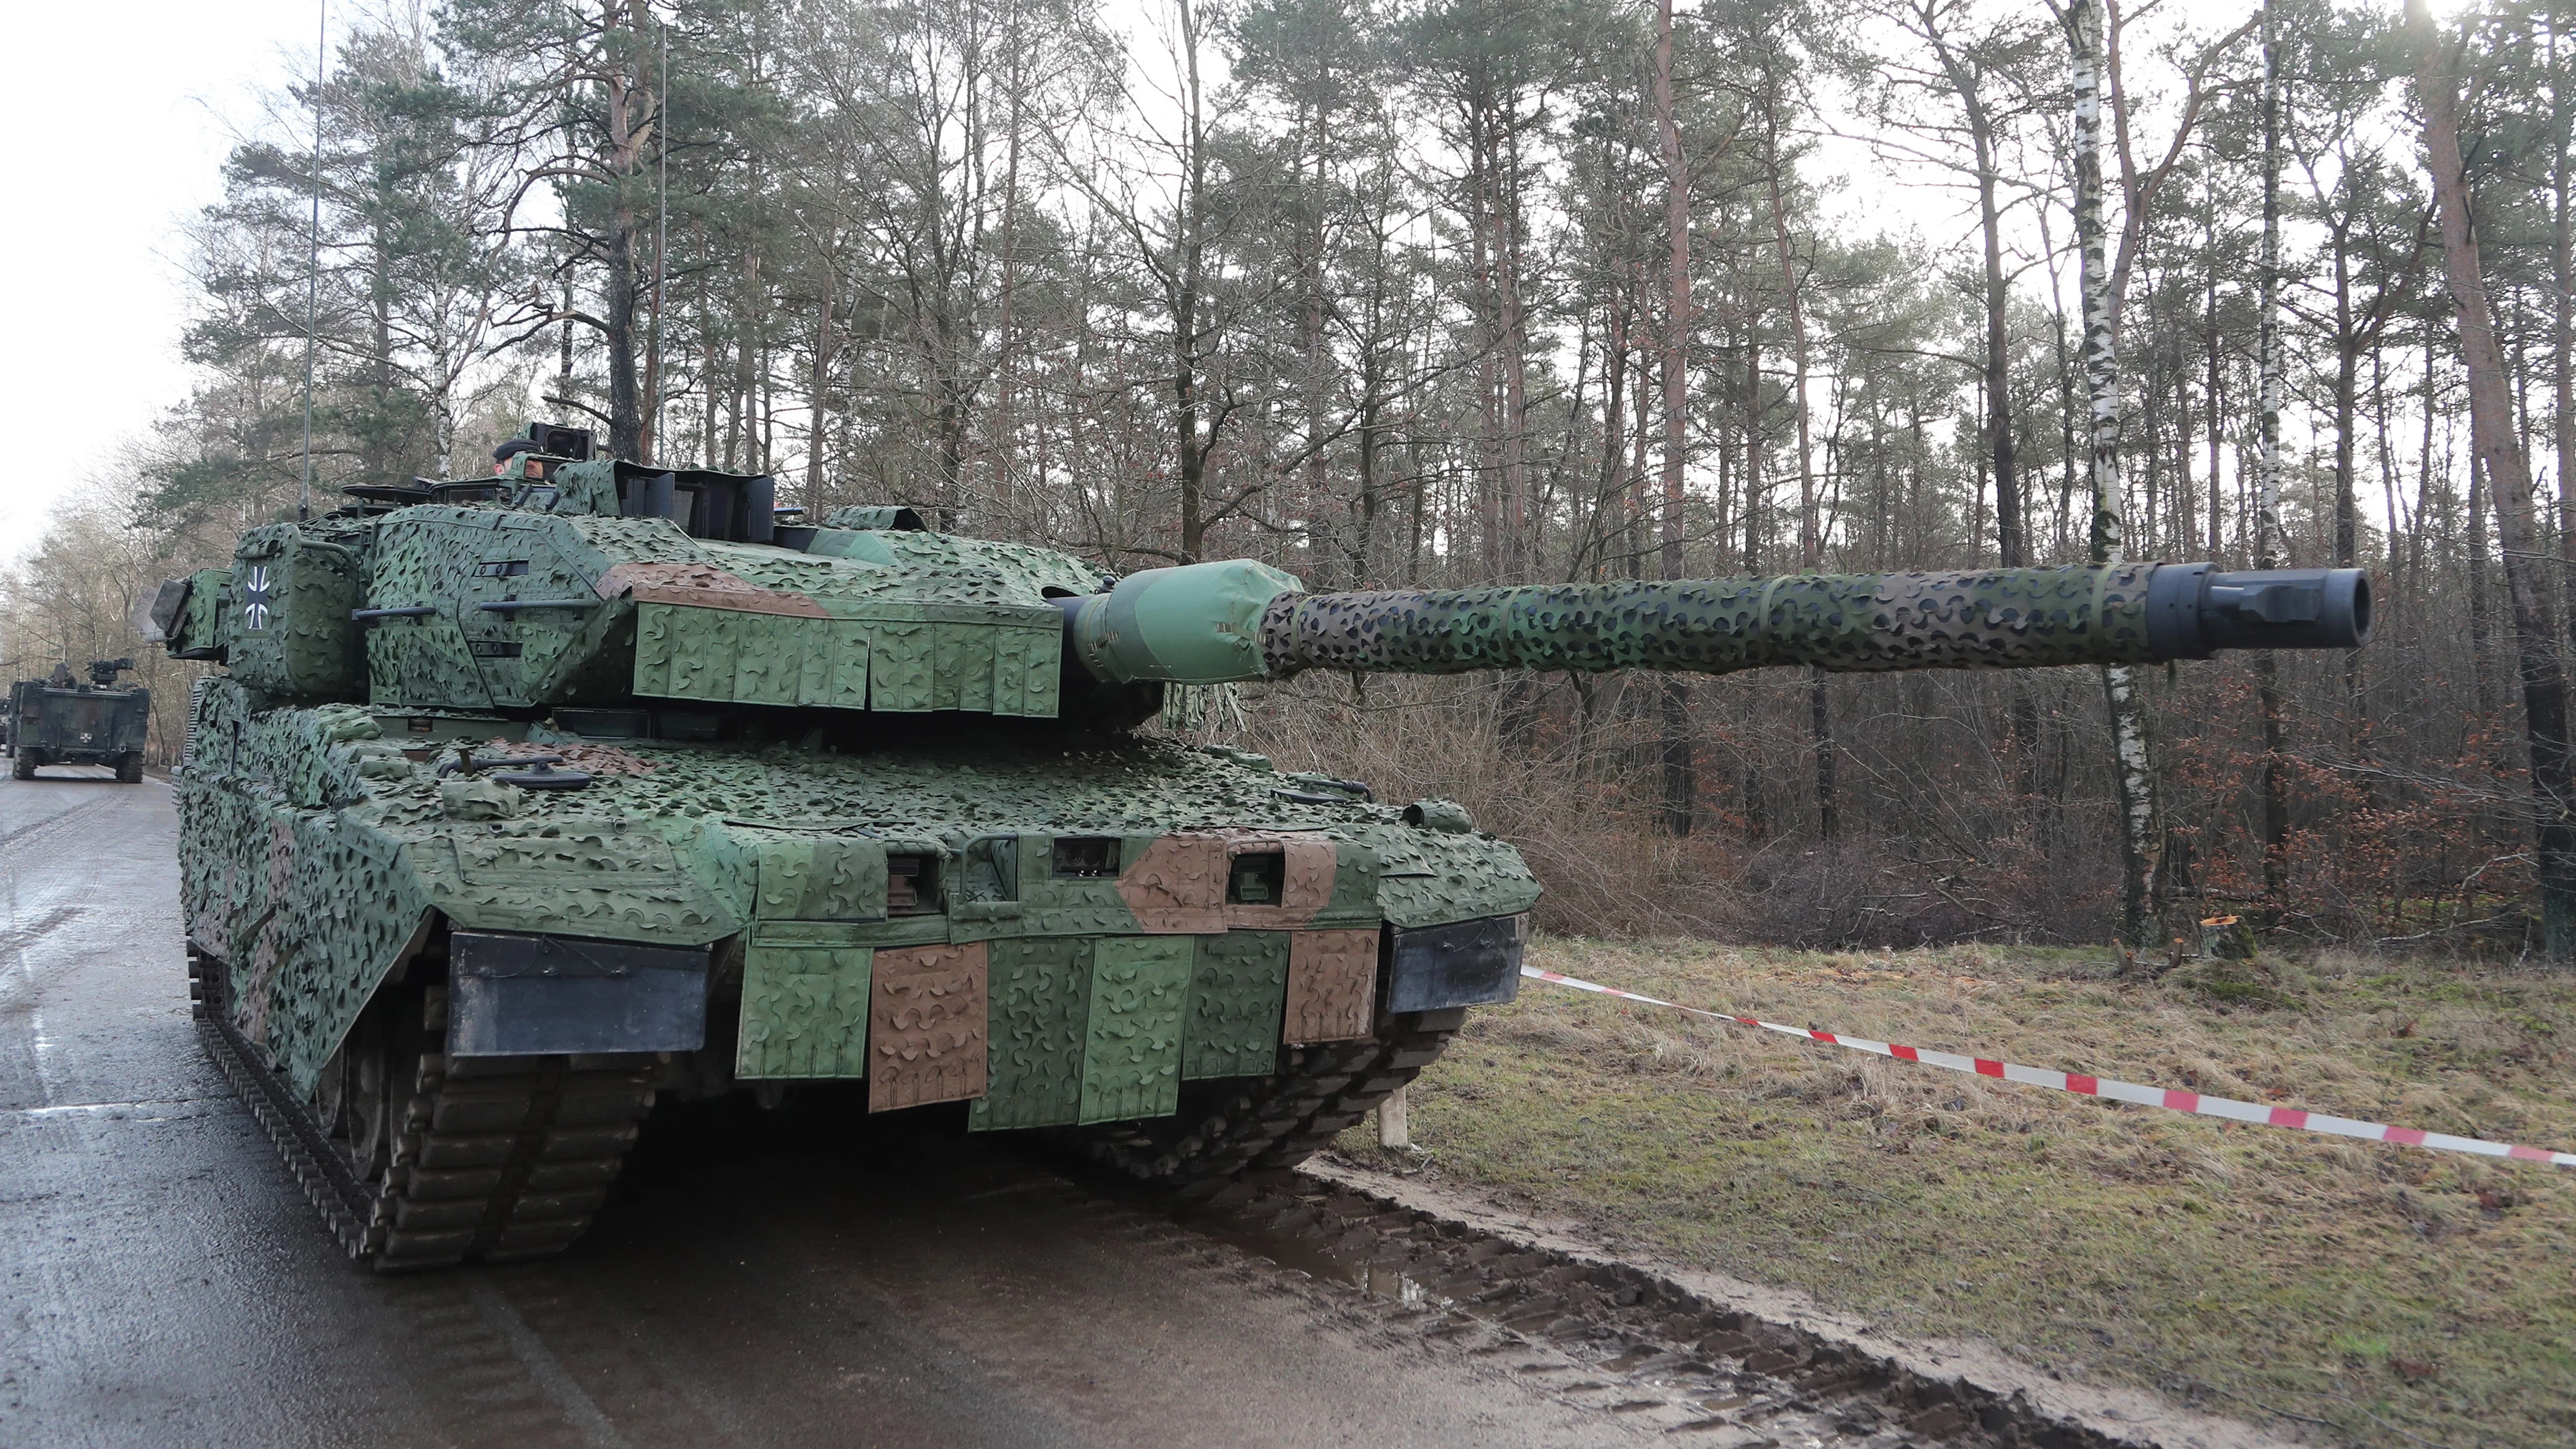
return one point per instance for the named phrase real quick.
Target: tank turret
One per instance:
(601, 584)
(605, 585)
(526, 798)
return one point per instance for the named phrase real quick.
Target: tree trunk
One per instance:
(2481, 600)
(2133, 773)
(1310, 324)
(1751, 796)
(1681, 775)
(2562, 322)
(2347, 417)
(1190, 244)
(2010, 545)
(815, 399)
(628, 134)
(1964, 81)
(742, 419)
(1639, 438)
(1519, 544)
(1481, 202)
(2213, 402)
(2066, 419)
(1005, 421)
(2491, 426)
(2268, 550)
(1811, 549)
(710, 354)
(1614, 488)
(1753, 484)
(2349, 342)
(2186, 508)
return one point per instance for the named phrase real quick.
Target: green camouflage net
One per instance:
(1990, 619)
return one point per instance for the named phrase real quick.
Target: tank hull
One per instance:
(1102, 936)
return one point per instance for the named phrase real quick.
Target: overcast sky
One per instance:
(116, 119)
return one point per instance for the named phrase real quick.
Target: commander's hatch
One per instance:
(374, 498)
(723, 507)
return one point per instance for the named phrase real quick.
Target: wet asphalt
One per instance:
(792, 1278)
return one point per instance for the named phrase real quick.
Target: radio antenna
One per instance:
(313, 253)
(661, 217)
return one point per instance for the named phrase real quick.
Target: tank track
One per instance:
(492, 1158)
(1229, 1127)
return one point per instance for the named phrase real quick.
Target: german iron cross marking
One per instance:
(255, 598)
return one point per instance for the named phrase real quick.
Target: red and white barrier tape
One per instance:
(2106, 1087)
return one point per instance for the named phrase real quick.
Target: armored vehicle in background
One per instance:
(525, 799)
(57, 722)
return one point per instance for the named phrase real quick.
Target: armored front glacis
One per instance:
(57, 721)
(525, 799)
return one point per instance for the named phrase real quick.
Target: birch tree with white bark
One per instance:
(2134, 770)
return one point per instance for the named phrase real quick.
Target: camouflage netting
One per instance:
(1994, 619)
(524, 610)
(312, 905)
(317, 847)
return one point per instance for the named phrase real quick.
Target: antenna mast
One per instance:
(313, 253)
(661, 214)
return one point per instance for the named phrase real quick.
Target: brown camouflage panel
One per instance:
(702, 586)
(926, 1026)
(1178, 885)
(1332, 985)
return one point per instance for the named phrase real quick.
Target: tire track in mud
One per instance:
(15, 939)
(1624, 1342)
(22, 1054)
(533, 1357)
(24, 1044)
(35, 831)
(499, 1380)
(548, 1355)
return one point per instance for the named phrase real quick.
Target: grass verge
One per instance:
(2376, 1294)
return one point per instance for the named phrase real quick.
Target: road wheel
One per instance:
(368, 1117)
(330, 1093)
(25, 766)
(129, 768)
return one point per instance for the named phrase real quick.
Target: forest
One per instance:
(1450, 292)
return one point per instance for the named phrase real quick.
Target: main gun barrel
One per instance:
(1238, 620)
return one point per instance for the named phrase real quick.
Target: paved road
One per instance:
(757, 1281)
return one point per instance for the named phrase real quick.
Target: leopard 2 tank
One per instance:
(523, 799)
